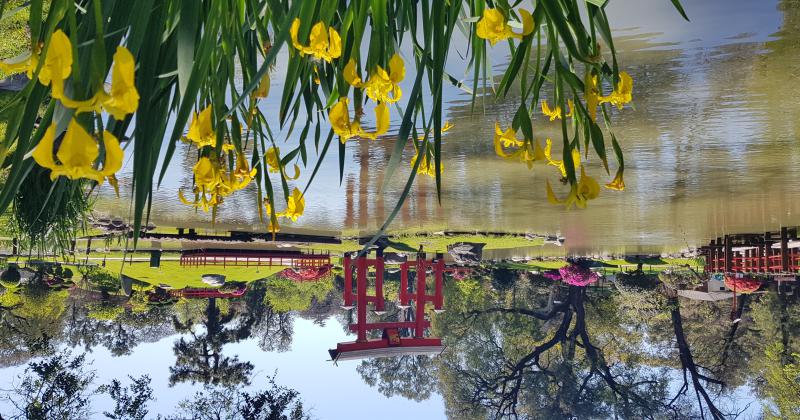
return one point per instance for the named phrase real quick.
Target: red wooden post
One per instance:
(348, 280)
(361, 298)
(439, 285)
(420, 296)
(728, 254)
(379, 302)
(404, 284)
(784, 249)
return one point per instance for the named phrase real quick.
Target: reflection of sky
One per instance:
(327, 390)
(696, 113)
(713, 23)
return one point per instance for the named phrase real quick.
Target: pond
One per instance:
(709, 148)
(620, 310)
(525, 342)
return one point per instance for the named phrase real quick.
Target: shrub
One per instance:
(10, 276)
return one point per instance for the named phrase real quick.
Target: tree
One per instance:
(409, 376)
(521, 362)
(54, 388)
(782, 378)
(226, 403)
(200, 358)
(130, 401)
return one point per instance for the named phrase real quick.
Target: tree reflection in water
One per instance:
(517, 345)
(200, 358)
(536, 350)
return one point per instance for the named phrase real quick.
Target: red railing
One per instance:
(247, 258)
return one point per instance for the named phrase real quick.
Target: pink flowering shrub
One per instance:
(576, 275)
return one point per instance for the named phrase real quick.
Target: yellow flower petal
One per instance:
(381, 119)
(351, 75)
(57, 64)
(623, 92)
(124, 98)
(200, 130)
(527, 22)
(43, 153)
(552, 113)
(295, 205)
(293, 34)
(77, 154)
(206, 174)
(397, 69)
(339, 117)
(273, 159)
(114, 154)
(335, 47)
(618, 183)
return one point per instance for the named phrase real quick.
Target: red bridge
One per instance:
(254, 257)
(770, 252)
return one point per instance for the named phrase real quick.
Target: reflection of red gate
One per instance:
(258, 258)
(390, 342)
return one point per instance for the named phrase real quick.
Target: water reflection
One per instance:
(585, 340)
(707, 92)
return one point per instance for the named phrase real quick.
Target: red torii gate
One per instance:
(390, 342)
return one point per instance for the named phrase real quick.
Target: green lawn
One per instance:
(14, 29)
(173, 274)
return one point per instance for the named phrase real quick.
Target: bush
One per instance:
(67, 273)
(104, 281)
(10, 276)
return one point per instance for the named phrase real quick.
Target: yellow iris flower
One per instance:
(527, 152)
(123, 99)
(295, 206)
(576, 159)
(382, 86)
(556, 112)
(339, 116)
(324, 42)
(201, 133)
(242, 174)
(207, 174)
(623, 92)
(274, 163)
(618, 183)
(273, 159)
(494, 27)
(579, 195)
(77, 154)
(57, 67)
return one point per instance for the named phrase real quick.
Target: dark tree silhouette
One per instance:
(200, 358)
(551, 380)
